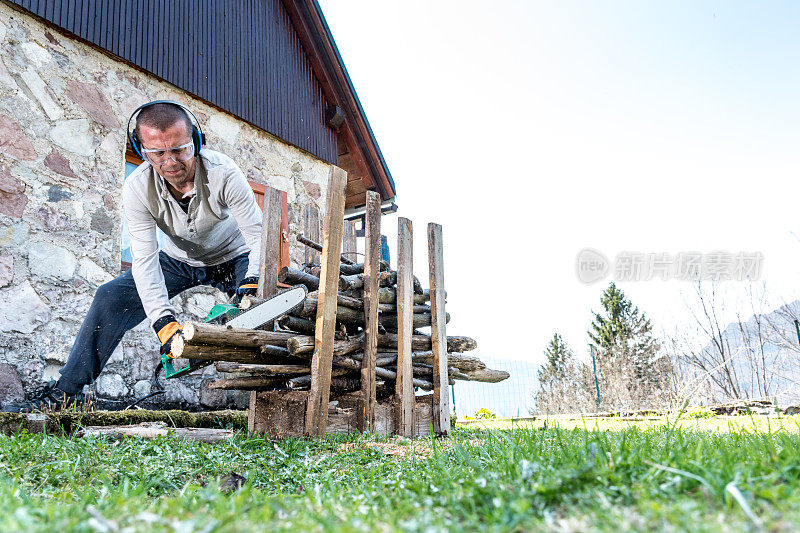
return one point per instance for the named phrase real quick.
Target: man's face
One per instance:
(179, 174)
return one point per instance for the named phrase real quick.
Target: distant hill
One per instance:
(764, 356)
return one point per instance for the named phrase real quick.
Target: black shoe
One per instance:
(51, 398)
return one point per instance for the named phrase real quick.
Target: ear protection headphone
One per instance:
(198, 137)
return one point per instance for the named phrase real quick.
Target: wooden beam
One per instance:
(322, 361)
(441, 396)
(349, 241)
(372, 256)
(270, 244)
(404, 391)
(269, 264)
(283, 259)
(311, 231)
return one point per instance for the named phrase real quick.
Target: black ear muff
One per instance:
(198, 137)
(136, 144)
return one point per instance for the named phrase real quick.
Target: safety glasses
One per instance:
(159, 156)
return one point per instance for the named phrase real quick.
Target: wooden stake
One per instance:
(270, 244)
(372, 255)
(349, 242)
(317, 409)
(404, 391)
(441, 396)
(269, 265)
(311, 230)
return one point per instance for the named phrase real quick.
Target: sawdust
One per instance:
(402, 447)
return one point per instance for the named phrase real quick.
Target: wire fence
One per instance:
(510, 398)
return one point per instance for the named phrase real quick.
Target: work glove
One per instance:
(166, 328)
(248, 287)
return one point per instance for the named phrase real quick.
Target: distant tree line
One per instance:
(630, 371)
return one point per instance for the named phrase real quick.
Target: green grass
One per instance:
(665, 476)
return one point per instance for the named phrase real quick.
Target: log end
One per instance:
(178, 345)
(188, 331)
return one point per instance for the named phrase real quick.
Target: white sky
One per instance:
(531, 130)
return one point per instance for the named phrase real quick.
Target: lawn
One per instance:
(666, 475)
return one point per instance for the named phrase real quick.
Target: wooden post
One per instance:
(349, 241)
(441, 396)
(311, 231)
(317, 408)
(270, 244)
(404, 392)
(372, 256)
(268, 267)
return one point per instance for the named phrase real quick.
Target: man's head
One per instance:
(161, 129)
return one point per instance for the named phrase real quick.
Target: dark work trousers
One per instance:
(116, 308)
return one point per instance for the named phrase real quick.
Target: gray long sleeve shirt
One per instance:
(222, 222)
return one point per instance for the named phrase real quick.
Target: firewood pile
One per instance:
(279, 357)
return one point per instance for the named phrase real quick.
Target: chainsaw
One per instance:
(252, 318)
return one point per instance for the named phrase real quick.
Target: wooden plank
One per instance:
(349, 241)
(270, 244)
(404, 392)
(441, 394)
(317, 410)
(284, 246)
(372, 256)
(311, 231)
(269, 264)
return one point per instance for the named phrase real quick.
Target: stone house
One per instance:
(270, 90)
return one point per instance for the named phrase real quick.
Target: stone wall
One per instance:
(63, 109)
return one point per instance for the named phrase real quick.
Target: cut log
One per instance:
(352, 364)
(218, 353)
(291, 276)
(358, 268)
(318, 247)
(388, 295)
(301, 382)
(392, 308)
(275, 351)
(262, 370)
(248, 383)
(486, 375)
(457, 360)
(386, 360)
(344, 299)
(421, 320)
(356, 281)
(197, 333)
(423, 342)
(152, 430)
(296, 323)
(302, 345)
(343, 313)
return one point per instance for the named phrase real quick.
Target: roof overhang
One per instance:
(359, 154)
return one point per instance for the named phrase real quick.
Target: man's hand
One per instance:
(166, 328)
(248, 287)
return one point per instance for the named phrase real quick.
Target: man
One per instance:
(201, 201)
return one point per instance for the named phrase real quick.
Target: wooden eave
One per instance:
(359, 154)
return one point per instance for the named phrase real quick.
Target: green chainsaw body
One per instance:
(275, 306)
(219, 314)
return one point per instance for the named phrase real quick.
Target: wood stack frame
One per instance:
(293, 413)
(270, 411)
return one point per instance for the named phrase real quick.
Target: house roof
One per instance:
(290, 78)
(360, 156)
